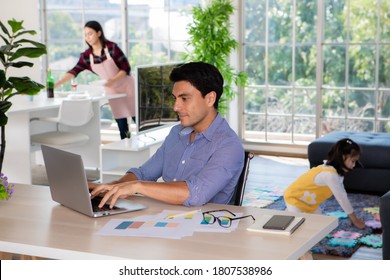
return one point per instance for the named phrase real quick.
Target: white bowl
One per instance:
(62, 93)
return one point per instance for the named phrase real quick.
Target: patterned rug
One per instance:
(261, 196)
(346, 238)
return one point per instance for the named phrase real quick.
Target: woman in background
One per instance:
(108, 61)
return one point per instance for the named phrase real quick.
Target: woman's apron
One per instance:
(121, 107)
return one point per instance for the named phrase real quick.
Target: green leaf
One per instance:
(28, 52)
(34, 43)
(6, 49)
(4, 29)
(4, 106)
(24, 85)
(16, 25)
(21, 64)
(4, 39)
(3, 195)
(2, 78)
(31, 32)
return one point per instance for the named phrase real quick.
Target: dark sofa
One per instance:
(374, 177)
(385, 220)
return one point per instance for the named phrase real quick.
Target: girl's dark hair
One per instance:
(204, 76)
(336, 154)
(97, 27)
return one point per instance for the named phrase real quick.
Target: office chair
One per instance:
(96, 89)
(240, 187)
(73, 112)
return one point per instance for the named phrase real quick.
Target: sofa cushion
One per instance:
(374, 178)
(375, 148)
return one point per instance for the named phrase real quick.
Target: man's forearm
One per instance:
(125, 178)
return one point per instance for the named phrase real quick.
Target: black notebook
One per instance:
(258, 226)
(279, 222)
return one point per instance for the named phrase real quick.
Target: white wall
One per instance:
(26, 10)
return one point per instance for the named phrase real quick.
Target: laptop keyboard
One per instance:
(95, 205)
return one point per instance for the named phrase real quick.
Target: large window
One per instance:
(65, 33)
(315, 67)
(148, 31)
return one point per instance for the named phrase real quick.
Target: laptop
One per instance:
(69, 186)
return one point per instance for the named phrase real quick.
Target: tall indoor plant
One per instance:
(15, 48)
(211, 41)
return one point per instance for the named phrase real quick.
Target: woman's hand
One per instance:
(109, 83)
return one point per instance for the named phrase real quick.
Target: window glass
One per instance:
(330, 124)
(362, 66)
(360, 125)
(254, 64)
(383, 108)
(334, 23)
(304, 129)
(280, 128)
(255, 21)
(305, 21)
(383, 126)
(334, 65)
(279, 101)
(280, 65)
(384, 21)
(63, 4)
(279, 21)
(305, 65)
(255, 100)
(333, 103)
(384, 65)
(305, 102)
(361, 104)
(363, 21)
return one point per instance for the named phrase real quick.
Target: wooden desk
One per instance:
(32, 224)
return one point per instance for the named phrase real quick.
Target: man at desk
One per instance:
(201, 159)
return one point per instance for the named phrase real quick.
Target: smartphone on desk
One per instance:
(279, 222)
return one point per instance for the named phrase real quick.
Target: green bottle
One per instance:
(50, 84)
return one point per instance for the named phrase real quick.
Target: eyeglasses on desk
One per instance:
(223, 221)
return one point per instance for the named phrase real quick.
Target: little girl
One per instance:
(321, 182)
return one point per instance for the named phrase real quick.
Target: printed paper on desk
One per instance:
(150, 226)
(180, 215)
(202, 226)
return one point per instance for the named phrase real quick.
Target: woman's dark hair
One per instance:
(97, 27)
(336, 154)
(205, 77)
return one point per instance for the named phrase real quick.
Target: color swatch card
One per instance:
(153, 226)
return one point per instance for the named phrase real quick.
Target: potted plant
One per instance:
(14, 49)
(211, 41)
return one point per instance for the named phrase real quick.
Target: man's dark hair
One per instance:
(203, 76)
